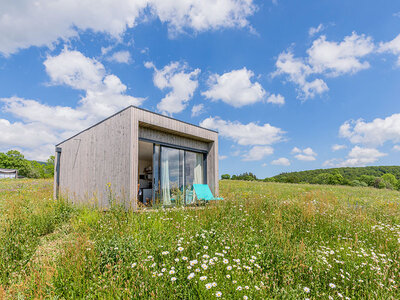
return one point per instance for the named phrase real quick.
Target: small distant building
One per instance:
(141, 158)
(8, 173)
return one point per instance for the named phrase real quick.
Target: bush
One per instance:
(225, 176)
(390, 178)
(358, 183)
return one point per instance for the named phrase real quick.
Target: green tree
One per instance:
(225, 176)
(390, 178)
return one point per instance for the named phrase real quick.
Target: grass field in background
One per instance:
(265, 240)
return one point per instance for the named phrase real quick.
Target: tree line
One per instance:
(14, 159)
(378, 177)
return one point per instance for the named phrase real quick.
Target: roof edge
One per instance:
(122, 110)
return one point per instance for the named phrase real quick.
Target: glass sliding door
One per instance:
(171, 176)
(193, 173)
(175, 172)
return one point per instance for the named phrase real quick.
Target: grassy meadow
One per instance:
(265, 240)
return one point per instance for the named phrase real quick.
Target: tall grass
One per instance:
(265, 240)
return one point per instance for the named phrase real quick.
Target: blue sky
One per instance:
(288, 86)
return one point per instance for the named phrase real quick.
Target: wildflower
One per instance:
(257, 288)
(171, 272)
(246, 287)
(164, 252)
(189, 267)
(204, 266)
(176, 259)
(229, 268)
(208, 286)
(306, 289)
(245, 297)
(180, 249)
(214, 284)
(332, 285)
(163, 270)
(205, 247)
(173, 279)
(193, 262)
(225, 261)
(184, 258)
(202, 278)
(191, 275)
(133, 265)
(340, 295)
(239, 288)
(228, 276)
(218, 294)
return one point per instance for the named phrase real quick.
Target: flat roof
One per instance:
(143, 109)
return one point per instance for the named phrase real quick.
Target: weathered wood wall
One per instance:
(107, 153)
(98, 159)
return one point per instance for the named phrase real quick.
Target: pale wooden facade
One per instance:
(103, 159)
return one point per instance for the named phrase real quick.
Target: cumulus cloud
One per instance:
(373, 133)
(325, 58)
(306, 154)
(260, 137)
(197, 110)
(357, 157)
(122, 57)
(40, 125)
(181, 82)
(283, 161)
(234, 88)
(337, 147)
(28, 23)
(276, 99)
(392, 47)
(314, 30)
(222, 157)
(336, 59)
(245, 134)
(258, 153)
(297, 71)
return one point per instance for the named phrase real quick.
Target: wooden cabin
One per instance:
(136, 158)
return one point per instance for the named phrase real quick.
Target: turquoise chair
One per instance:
(203, 192)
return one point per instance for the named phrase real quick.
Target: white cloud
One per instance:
(296, 150)
(392, 47)
(260, 137)
(314, 30)
(197, 110)
(276, 99)
(397, 14)
(297, 72)
(245, 134)
(42, 125)
(30, 135)
(222, 157)
(122, 57)
(235, 88)
(180, 81)
(283, 161)
(396, 147)
(325, 58)
(337, 147)
(307, 154)
(372, 133)
(357, 157)
(264, 165)
(258, 153)
(28, 23)
(340, 58)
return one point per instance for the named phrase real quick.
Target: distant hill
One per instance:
(348, 173)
